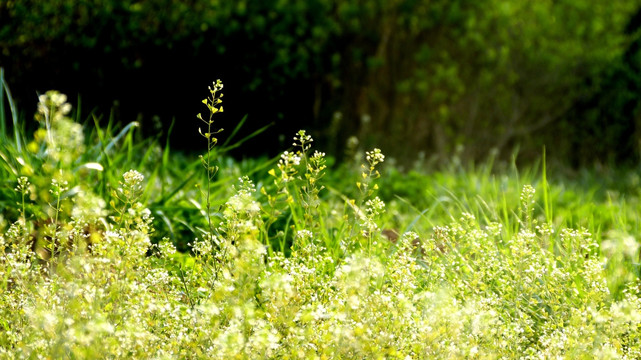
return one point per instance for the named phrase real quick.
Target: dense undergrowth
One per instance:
(113, 247)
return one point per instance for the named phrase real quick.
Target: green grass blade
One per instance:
(246, 138)
(546, 191)
(3, 125)
(175, 190)
(14, 115)
(235, 131)
(117, 138)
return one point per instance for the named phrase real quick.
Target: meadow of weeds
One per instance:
(113, 247)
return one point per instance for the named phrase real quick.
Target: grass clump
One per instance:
(296, 260)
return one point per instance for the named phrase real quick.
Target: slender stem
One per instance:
(24, 218)
(209, 176)
(54, 238)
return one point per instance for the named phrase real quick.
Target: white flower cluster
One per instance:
(64, 139)
(133, 179)
(131, 187)
(289, 158)
(55, 101)
(373, 209)
(374, 157)
(243, 201)
(304, 235)
(527, 195)
(303, 140)
(287, 163)
(202, 247)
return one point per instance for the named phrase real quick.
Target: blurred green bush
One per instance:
(411, 76)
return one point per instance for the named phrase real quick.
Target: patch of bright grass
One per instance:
(112, 246)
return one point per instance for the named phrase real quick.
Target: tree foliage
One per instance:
(432, 75)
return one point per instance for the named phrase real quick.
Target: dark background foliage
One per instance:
(410, 76)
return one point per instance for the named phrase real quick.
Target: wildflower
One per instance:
(202, 248)
(132, 185)
(88, 206)
(302, 140)
(218, 85)
(317, 155)
(304, 234)
(23, 185)
(286, 165)
(288, 159)
(52, 106)
(166, 248)
(133, 178)
(242, 201)
(374, 157)
(375, 207)
(58, 187)
(527, 195)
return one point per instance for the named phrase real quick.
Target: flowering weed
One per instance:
(295, 264)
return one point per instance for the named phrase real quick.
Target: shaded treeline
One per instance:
(416, 78)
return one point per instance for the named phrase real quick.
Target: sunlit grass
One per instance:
(114, 246)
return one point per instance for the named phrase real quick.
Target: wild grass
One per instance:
(113, 246)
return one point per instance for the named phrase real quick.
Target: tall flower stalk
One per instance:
(213, 103)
